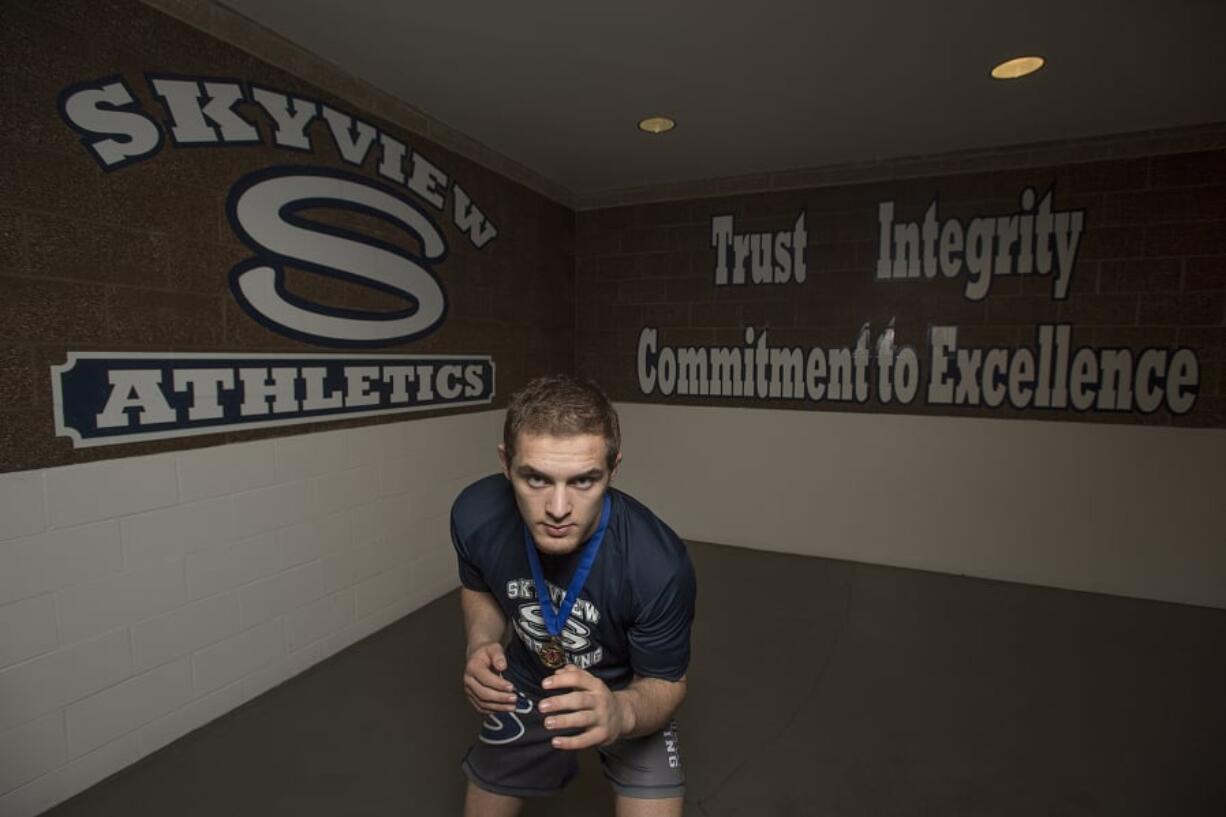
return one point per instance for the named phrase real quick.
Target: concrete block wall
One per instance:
(141, 598)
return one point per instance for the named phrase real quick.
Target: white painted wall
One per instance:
(1122, 509)
(142, 597)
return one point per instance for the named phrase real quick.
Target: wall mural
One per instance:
(103, 398)
(1032, 248)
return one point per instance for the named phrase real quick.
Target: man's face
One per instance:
(559, 484)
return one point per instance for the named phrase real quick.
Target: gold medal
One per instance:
(552, 653)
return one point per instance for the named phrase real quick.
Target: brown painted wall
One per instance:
(1150, 272)
(137, 259)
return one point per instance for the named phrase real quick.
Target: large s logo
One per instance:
(576, 636)
(265, 210)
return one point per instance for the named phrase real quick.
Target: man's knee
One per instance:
(648, 807)
(481, 803)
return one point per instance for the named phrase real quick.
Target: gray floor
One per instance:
(817, 687)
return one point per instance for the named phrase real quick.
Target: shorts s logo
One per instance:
(505, 727)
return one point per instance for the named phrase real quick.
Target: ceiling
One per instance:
(769, 86)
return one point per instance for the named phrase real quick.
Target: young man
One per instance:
(599, 594)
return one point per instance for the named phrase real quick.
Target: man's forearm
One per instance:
(483, 620)
(647, 704)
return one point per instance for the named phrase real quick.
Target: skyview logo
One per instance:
(110, 397)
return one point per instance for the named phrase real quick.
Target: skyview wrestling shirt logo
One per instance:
(577, 639)
(104, 398)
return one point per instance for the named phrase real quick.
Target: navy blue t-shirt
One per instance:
(634, 614)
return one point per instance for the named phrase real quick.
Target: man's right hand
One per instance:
(485, 688)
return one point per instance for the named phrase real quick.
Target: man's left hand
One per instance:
(591, 706)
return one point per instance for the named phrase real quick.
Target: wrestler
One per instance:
(597, 597)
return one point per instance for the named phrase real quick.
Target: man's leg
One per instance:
(481, 803)
(646, 774)
(642, 807)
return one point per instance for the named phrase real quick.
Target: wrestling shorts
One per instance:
(513, 756)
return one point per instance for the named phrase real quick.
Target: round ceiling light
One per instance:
(657, 124)
(1017, 67)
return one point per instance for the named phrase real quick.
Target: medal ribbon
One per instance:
(555, 621)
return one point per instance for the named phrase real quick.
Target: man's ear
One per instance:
(617, 461)
(502, 458)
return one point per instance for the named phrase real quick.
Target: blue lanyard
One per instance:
(556, 620)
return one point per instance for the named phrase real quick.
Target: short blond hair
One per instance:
(562, 405)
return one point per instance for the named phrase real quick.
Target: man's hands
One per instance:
(485, 688)
(591, 706)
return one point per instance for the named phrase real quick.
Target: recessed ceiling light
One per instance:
(1018, 67)
(657, 124)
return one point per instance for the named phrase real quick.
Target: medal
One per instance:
(552, 653)
(552, 650)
